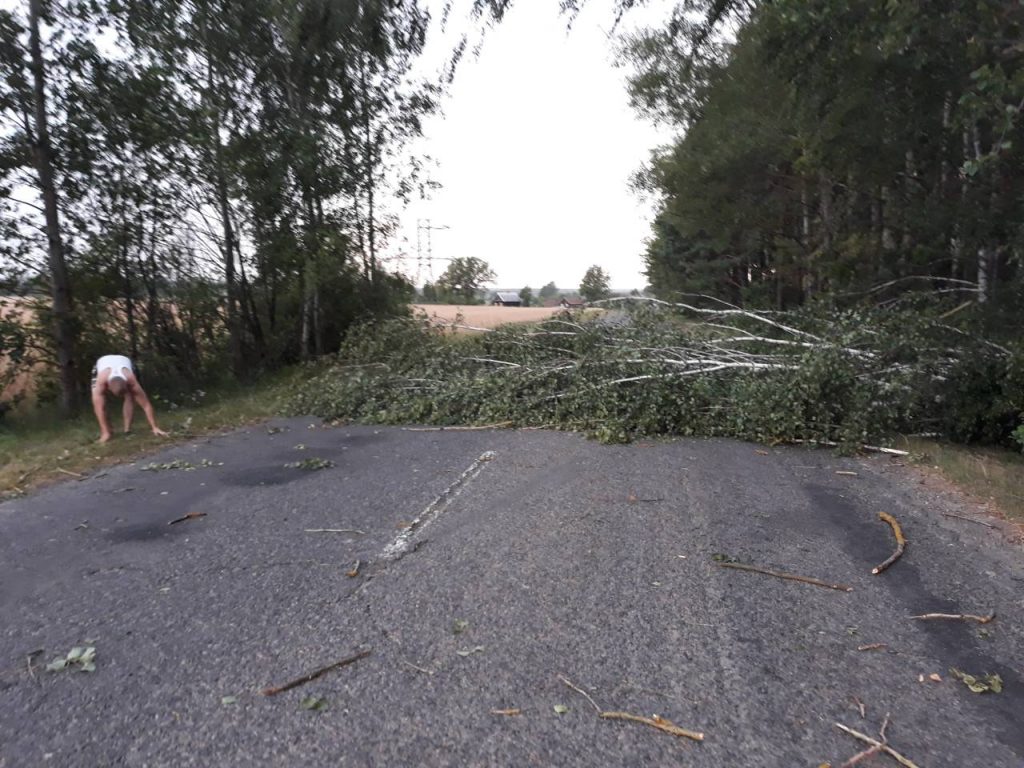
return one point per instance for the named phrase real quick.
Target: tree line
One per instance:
(827, 148)
(202, 184)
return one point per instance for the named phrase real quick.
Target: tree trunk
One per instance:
(60, 283)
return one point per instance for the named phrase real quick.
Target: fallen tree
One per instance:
(648, 367)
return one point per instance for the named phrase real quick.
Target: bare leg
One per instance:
(128, 411)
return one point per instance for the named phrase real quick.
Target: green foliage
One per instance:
(311, 464)
(549, 291)
(1018, 436)
(849, 377)
(526, 296)
(80, 657)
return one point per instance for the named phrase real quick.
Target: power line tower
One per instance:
(425, 225)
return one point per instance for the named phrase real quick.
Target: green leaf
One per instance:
(471, 651)
(56, 665)
(89, 654)
(87, 666)
(75, 653)
(718, 557)
(225, 700)
(459, 626)
(560, 709)
(313, 703)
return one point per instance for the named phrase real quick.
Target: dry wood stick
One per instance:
(189, 516)
(901, 542)
(864, 755)
(69, 472)
(656, 722)
(957, 617)
(274, 690)
(580, 691)
(499, 425)
(871, 647)
(790, 576)
(875, 743)
(968, 519)
(335, 530)
(508, 712)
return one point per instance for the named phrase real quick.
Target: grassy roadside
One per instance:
(990, 474)
(40, 449)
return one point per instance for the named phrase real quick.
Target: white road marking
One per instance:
(403, 541)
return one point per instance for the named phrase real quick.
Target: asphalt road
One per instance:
(562, 557)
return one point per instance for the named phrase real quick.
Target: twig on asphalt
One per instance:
(860, 707)
(69, 472)
(845, 472)
(871, 647)
(864, 755)
(655, 722)
(881, 731)
(189, 516)
(274, 690)
(901, 542)
(507, 712)
(957, 617)
(968, 519)
(790, 576)
(335, 530)
(418, 669)
(881, 746)
(499, 425)
(355, 570)
(580, 691)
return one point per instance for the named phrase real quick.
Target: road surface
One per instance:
(491, 564)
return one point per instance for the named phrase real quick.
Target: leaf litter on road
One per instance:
(979, 683)
(82, 658)
(470, 651)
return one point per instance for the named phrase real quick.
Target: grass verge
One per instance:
(38, 449)
(991, 474)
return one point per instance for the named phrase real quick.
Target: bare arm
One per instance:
(139, 394)
(99, 403)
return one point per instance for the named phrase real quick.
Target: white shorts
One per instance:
(114, 362)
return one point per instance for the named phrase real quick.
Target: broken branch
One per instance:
(968, 519)
(790, 576)
(655, 722)
(881, 746)
(189, 516)
(861, 756)
(957, 617)
(507, 712)
(581, 692)
(335, 530)
(871, 647)
(901, 542)
(274, 690)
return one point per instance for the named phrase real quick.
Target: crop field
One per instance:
(484, 316)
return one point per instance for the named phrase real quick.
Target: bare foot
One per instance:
(104, 438)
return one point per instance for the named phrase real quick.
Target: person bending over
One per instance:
(114, 374)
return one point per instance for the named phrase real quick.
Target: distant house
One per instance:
(551, 303)
(567, 303)
(507, 299)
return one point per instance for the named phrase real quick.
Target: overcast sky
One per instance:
(535, 150)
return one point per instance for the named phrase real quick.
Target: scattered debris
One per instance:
(471, 651)
(73, 474)
(655, 722)
(459, 626)
(311, 464)
(274, 690)
(901, 542)
(968, 519)
(781, 575)
(82, 525)
(226, 700)
(718, 557)
(872, 750)
(126, 489)
(580, 691)
(982, 684)
(560, 709)
(335, 530)
(935, 677)
(871, 647)
(189, 516)
(957, 617)
(355, 570)
(759, 452)
(881, 746)
(507, 712)
(82, 657)
(299, 447)
(846, 473)
(276, 430)
(181, 464)
(313, 703)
